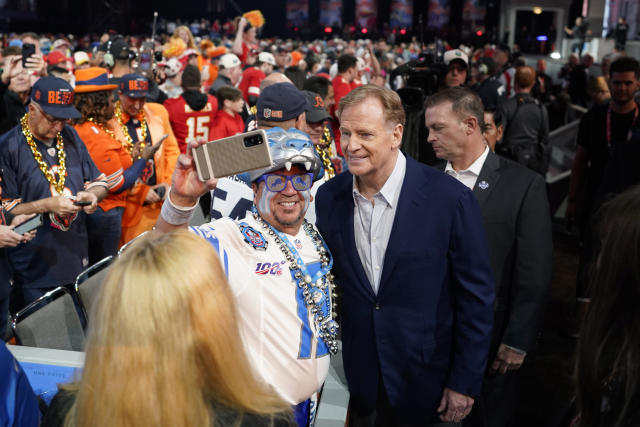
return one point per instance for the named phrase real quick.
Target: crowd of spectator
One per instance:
(95, 134)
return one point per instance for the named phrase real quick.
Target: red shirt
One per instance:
(341, 88)
(188, 124)
(250, 83)
(227, 125)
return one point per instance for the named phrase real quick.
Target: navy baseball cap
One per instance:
(55, 97)
(134, 86)
(281, 102)
(317, 112)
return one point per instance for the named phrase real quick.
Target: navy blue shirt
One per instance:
(54, 257)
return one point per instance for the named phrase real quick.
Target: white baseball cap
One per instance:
(267, 57)
(450, 55)
(229, 60)
(172, 67)
(80, 57)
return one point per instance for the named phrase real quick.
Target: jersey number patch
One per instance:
(198, 126)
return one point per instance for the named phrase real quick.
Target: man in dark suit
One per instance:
(412, 262)
(515, 212)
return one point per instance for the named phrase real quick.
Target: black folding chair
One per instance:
(88, 283)
(51, 321)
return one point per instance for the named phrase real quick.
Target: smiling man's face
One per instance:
(368, 141)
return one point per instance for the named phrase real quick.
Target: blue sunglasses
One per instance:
(277, 183)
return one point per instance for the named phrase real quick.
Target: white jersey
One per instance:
(278, 331)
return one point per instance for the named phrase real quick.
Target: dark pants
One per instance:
(104, 229)
(496, 404)
(4, 316)
(382, 415)
(577, 46)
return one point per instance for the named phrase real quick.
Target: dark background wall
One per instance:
(134, 16)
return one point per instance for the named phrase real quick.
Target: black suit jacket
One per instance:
(515, 213)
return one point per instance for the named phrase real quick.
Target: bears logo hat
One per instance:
(55, 97)
(134, 86)
(317, 112)
(281, 102)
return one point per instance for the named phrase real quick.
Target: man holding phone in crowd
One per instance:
(141, 123)
(278, 266)
(20, 69)
(47, 169)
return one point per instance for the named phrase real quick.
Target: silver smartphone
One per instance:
(232, 155)
(29, 225)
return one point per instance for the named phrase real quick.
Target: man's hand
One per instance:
(19, 219)
(150, 149)
(9, 238)
(152, 196)
(62, 205)
(88, 196)
(454, 406)
(36, 63)
(9, 66)
(186, 187)
(242, 23)
(507, 360)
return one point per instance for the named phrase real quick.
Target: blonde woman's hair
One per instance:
(164, 347)
(192, 42)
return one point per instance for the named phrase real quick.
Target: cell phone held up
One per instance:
(29, 225)
(28, 49)
(232, 155)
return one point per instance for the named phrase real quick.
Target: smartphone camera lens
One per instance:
(252, 141)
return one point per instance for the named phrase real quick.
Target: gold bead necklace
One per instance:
(324, 151)
(104, 129)
(129, 143)
(44, 168)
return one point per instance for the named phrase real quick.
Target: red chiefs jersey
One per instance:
(341, 88)
(188, 124)
(250, 83)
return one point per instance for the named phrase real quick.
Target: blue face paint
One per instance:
(306, 195)
(264, 204)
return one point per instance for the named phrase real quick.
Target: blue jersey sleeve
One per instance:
(207, 232)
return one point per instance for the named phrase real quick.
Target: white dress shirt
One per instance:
(470, 175)
(373, 220)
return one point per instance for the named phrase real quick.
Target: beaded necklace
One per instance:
(324, 151)
(105, 129)
(319, 290)
(44, 168)
(128, 140)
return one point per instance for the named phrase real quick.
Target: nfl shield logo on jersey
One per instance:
(254, 238)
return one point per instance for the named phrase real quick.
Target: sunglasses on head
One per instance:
(276, 183)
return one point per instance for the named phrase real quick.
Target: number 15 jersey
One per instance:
(187, 121)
